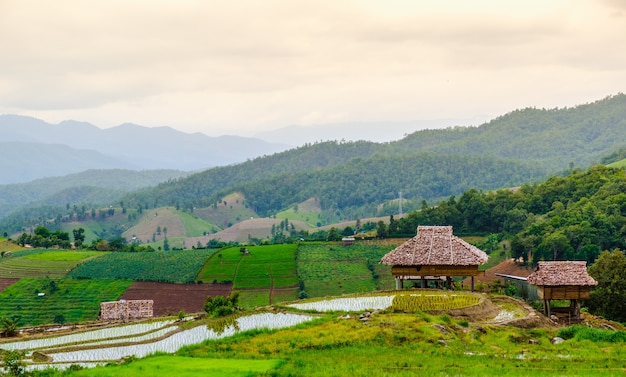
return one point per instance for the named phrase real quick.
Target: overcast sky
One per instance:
(240, 67)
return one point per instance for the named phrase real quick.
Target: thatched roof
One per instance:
(561, 273)
(435, 246)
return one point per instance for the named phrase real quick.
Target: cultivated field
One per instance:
(46, 301)
(333, 270)
(266, 275)
(171, 298)
(43, 263)
(164, 266)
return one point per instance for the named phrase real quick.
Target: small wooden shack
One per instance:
(432, 254)
(562, 281)
(126, 309)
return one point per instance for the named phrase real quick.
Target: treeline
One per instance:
(565, 218)
(358, 187)
(43, 237)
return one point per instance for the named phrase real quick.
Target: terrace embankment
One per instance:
(489, 307)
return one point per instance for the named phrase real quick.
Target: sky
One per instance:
(244, 67)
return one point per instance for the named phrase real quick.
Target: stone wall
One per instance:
(126, 309)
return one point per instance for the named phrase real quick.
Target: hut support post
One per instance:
(449, 282)
(423, 282)
(472, 284)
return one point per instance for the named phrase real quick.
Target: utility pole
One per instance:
(400, 203)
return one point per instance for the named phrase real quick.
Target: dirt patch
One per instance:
(172, 298)
(531, 319)
(7, 282)
(483, 311)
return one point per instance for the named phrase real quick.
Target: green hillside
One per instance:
(43, 263)
(44, 301)
(94, 187)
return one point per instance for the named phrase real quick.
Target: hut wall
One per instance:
(126, 309)
(563, 292)
(443, 270)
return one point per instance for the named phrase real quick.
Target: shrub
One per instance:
(9, 327)
(579, 333)
(220, 306)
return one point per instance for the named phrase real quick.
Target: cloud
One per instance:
(269, 63)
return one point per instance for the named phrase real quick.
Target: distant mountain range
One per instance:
(349, 179)
(32, 149)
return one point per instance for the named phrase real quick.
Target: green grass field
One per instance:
(166, 366)
(256, 274)
(165, 266)
(46, 301)
(263, 267)
(413, 345)
(333, 270)
(43, 263)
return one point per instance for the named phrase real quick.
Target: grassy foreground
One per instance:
(166, 365)
(418, 344)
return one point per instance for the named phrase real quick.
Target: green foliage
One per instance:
(220, 306)
(608, 298)
(165, 266)
(8, 326)
(13, 361)
(580, 333)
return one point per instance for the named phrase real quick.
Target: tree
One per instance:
(79, 236)
(13, 362)
(608, 299)
(9, 327)
(333, 234)
(220, 306)
(381, 229)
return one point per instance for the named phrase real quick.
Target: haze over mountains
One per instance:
(32, 149)
(351, 179)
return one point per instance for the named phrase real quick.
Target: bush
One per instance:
(220, 306)
(579, 333)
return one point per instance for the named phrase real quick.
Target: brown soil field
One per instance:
(172, 298)
(7, 282)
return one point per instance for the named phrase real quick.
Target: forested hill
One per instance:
(352, 178)
(97, 186)
(552, 139)
(547, 140)
(354, 188)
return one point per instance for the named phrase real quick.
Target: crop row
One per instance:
(91, 336)
(43, 301)
(411, 303)
(177, 340)
(166, 266)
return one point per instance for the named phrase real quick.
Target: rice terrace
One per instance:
(306, 309)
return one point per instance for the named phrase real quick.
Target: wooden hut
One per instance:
(562, 281)
(434, 252)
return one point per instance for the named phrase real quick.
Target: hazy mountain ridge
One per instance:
(127, 146)
(551, 138)
(91, 186)
(354, 176)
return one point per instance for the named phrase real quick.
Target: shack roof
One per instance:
(435, 246)
(559, 273)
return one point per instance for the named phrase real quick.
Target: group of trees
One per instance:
(42, 237)
(564, 218)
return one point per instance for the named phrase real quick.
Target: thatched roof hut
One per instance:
(553, 274)
(562, 280)
(434, 251)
